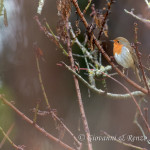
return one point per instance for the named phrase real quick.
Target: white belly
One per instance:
(124, 59)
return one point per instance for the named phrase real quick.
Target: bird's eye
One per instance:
(117, 41)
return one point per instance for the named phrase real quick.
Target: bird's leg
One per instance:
(112, 58)
(125, 71)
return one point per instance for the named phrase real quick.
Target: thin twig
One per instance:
(146, 113)
(41, 83)
(44, 132)
(48, 104)
(87, 7)
(83, 115)
(8, 132)
(105, 17)
(137, 105)
(50, 34)
(84, 50)
(80, 56)
(104, 53)
(147, 3)
(137, 123)
(10, 141)
(56, 39)
(137, 17)
(138, 56)
(36, 112)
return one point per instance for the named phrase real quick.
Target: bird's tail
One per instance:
(137, 73)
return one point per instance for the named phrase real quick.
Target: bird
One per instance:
(125, 55)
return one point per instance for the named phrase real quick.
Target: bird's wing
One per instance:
(134, 56)
(135, 59)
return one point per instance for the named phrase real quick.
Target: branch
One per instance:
(41, 83)
(137, 123)
(135, 16)
(138, 56)
(48, 104)
(10, 141)
(104, 53)
(137, 105)
(105, 17)
(8, 132)
(101, 92)
(50, 35)
(84, 50)
(44, 132)
(83, 116)
(147, 3)
(87, 7)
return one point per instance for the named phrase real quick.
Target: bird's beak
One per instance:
(112, 41)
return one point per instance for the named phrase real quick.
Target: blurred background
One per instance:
(19, 77)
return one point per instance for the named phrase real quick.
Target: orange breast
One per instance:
(117, 48)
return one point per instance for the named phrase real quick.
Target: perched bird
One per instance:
(125, 55)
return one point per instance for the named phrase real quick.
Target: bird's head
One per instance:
(121, 41)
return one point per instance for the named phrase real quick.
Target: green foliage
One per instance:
(6, 114)
(5, 18)
(1, 7)
(3, 12)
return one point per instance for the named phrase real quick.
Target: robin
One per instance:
(125, 55)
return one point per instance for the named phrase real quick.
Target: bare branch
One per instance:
(101, 92)
(105, 17)
(10, 141)
(48, 104)
(147, 3)
(77, 87)
(137, 17)
(87, 7)
(137, 105)
(44, 132)
(50, 35)
(8, 132)
(137, 123)
(138, 56)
